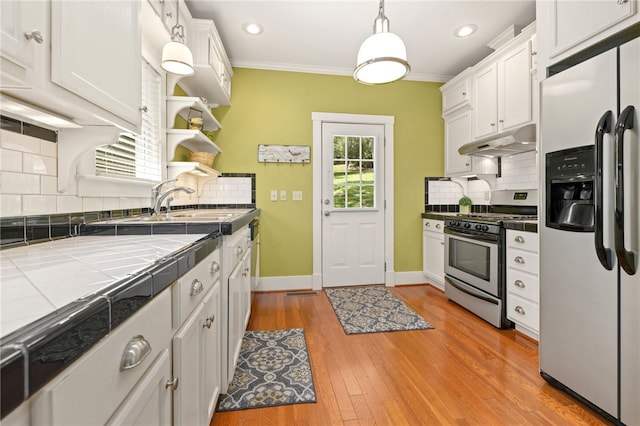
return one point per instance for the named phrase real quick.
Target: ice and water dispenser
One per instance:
(570, 178)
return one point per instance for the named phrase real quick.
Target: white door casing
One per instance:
(352, 204)
(384, 230)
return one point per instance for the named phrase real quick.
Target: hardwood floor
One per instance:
(463, 372)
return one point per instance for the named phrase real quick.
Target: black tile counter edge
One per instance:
(35, 354)
(521, 226)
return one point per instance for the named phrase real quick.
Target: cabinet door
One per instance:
(150, 401)
(236, 318)
(96, 53)
(246, 289)
(23, 35)
(457, 132)
(433, 254)
(455, 95)
(188, 363)
(514, 88)
(576, 22)
(212, 347)
(485, 99)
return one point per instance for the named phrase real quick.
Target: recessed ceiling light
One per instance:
(252, 28)
(465, 30)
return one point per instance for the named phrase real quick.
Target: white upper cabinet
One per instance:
(23, 37)
(567, 27)
(456, 93)
(81, 59)
(96, 53)
(212, 78)
(457, 132)
(502, 92)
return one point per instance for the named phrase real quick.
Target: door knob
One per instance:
(327, 213)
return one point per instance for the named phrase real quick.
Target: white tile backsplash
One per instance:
(519, 172)
(10, 160)
(39, 164)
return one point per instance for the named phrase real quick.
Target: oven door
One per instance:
(473, 259)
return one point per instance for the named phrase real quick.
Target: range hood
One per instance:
(522, 139)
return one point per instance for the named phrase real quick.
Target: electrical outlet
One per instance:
(274, 195)
(283, 195)
(296, 195)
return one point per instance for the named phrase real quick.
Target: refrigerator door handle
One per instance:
(604, 254)
(626, 258)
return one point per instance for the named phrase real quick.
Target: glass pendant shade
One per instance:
(177, 58)
(382, 58)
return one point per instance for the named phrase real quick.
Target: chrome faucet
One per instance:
(157, 203)
(155, 192)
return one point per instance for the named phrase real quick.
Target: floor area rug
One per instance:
(373, 310)
(273, 369)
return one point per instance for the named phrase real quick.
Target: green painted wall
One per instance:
(274, 107)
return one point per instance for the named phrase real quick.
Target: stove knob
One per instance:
(478, 227)
(467, 225)
(485, 227)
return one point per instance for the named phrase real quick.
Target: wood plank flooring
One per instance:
(463, 372)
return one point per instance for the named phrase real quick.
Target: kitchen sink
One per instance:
(179, 216)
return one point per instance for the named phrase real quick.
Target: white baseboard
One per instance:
(306, 282)
(299, 282)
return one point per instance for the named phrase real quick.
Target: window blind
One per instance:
(137, 156)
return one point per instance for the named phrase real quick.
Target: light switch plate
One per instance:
(274, 195)
(283, 195)
(296, 195)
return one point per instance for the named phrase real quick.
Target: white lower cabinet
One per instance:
(91, 390)
(239, 309)
(433, 251)
(149, 403)
(522, 281)
(195, 348)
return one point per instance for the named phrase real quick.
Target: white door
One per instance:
(352, 204)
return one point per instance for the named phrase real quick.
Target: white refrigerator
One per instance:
(590, 315)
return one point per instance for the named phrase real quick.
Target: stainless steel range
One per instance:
(474, 259)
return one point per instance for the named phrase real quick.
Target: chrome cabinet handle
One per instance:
(144, 108)
(427, 224)
(239, 250)
(215, 267)
(327, 213)
(135, 352)
(173, 384)
(518, 239)
(196, 287)
(437, 226)
(442, 243)
(518, 283)
(519, 309)
(35, 35)
(464, 93)
(519, 259)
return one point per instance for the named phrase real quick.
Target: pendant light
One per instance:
(382, 58)
(176, 56)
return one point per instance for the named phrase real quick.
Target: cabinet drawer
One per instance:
(192, 286)
(523, 284)
(431, 225)
(90, 391)
(523, 260)
(523, 312)
(522, 240)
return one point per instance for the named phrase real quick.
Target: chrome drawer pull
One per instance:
(208, 322)
(34, 35)
(135, 352)
(519, 259)
(173, 384)
(196, 287)
(437, 226)
(518, 283)
(519, 309)
(215, 267)
(427, 224)
(518, 239)
(239, 250)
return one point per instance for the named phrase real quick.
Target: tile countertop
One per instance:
(40, 279)
(59, 298)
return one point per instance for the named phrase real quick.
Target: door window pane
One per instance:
(354, 179)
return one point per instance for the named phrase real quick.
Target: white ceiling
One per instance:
(323, 36)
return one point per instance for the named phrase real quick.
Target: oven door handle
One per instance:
(493, 239)
(469, 292)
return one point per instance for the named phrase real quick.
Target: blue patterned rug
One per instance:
(372, 310)
(273, 369)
